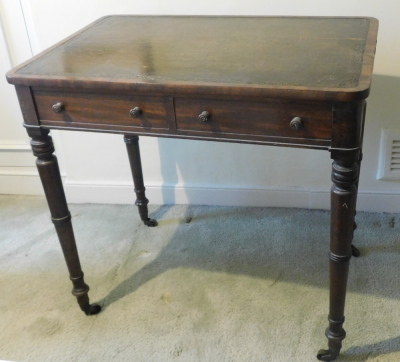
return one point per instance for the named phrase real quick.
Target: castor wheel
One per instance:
(354, 251)
(151, 222)
(93, 309)
(326, 355)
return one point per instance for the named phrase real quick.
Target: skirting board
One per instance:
(23, 184)
(374, 201)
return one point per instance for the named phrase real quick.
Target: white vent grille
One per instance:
(389, 159)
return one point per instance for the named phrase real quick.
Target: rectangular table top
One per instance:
(300, 57)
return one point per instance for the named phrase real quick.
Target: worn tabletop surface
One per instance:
(265, 51)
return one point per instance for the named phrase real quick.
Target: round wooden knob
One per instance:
(296, 123)
(204, 116)
(58, 107)
(135, 112)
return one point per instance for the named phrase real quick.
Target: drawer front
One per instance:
(100, 109)
(269, 119)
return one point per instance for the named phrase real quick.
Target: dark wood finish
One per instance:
(285, 81)
(265, 122)
(27, 105)
(100, 109)
(47, 165)
(355, 252)
(132, 146)
(347, 125)
(304, 57)
(343, 205)
(255, 118)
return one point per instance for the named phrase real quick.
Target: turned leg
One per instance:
(343, 201)
(132, 146)
(42, 146)
(354, 251)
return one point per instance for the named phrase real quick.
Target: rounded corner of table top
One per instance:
(327, 91)
(373, 21)
(358, 93)
(12, 77)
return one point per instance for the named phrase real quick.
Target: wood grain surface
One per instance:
(255, 56)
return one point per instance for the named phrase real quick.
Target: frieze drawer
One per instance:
(270, 119)
(74, 109)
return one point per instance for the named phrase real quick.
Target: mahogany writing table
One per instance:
(284, 81)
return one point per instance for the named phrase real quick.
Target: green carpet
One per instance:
(208, 284)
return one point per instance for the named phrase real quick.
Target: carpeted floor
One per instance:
(208, 284)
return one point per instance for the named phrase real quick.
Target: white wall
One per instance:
(18, 173)
(214, 173)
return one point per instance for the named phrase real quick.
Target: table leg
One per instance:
(47, 165)
(343, 201)
(354, 250)
(132, 146)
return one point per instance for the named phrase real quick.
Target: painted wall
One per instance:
(18, 173)
(96, 166)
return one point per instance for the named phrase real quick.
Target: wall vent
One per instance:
(389, 158)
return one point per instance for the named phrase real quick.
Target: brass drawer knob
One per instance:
(58, 107)
(296, 123)
(135, 112)
(204, 116)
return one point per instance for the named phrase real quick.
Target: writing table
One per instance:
(283, 81)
